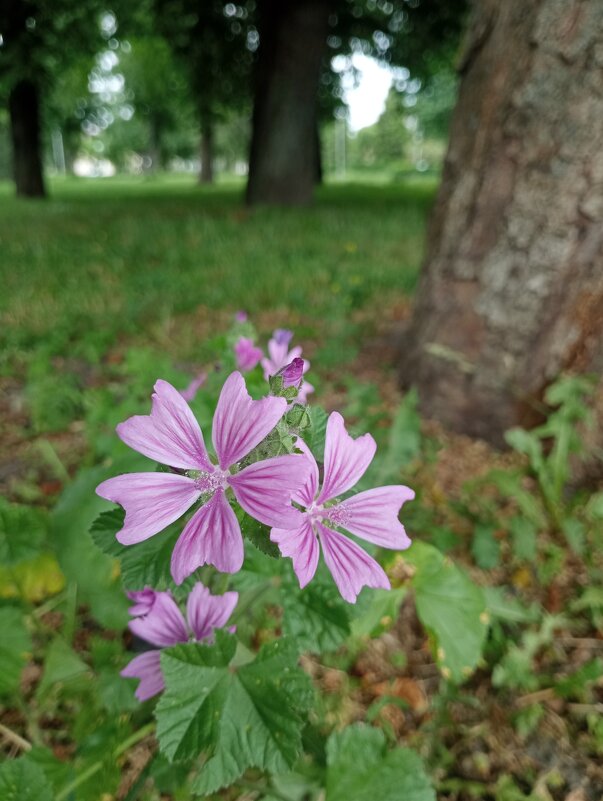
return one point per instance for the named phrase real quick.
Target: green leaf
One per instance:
(527, 442)
(451, 607)
(258, 534)
(23, 780)
(595, 506)
(576, 685)
(22, 532)
(575, 534)
(105, 527)
(360, 768)
(79, 558)
(376, 610)
(15, 646)
(510, 484)
(485, 547)
(147, 564)
(404, 443)
(242, 716)
(523, 531)
(504, 607)
(61, 666)
(315, 617)
(315, 437)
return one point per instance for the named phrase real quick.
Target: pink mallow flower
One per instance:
(191, 390)
(246, 354)
(159, 621)
(371, 515)
(280, 356)
(171, 435)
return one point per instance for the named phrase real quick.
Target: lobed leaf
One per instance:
(360, 768)
(241, 715)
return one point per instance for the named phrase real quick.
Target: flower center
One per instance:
(210, 482)
(338, 515)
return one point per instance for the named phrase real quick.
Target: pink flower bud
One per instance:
(292, 374)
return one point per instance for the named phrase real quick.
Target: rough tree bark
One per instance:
(24, 111)
(282, 163)
(511, 292)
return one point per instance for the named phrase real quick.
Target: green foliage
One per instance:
(404, 442)
(15, 647)
(79, 558)
(568, 397)
(315, 618)
(240, 715)
(516, 669)
(146, 564)
(451, 607)
(24, 780)
(485, 547)
(61, 666)
(360, 768)
(22, 532)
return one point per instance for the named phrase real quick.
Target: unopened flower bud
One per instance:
(241, 316)
(292, 373)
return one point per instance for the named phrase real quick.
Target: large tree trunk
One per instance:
(206, 176)
(512, 287)
(24, 110)
(283, 159)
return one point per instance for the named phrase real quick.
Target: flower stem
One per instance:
(96, 766)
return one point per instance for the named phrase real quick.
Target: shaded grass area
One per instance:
(106, 257)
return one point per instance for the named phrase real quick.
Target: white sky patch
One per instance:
(365, 94)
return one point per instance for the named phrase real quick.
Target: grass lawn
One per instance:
(102, 258)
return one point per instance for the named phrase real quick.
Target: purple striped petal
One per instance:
(306, 493)
(170, 434)
(206, 612)
(164, 625)
(346, 459)
(351, 567)
(147, 668)
(264, 489)
(143, 601)
(241, 423)
(212, 536)
(152, 501)
(373, 515)
(302, 546)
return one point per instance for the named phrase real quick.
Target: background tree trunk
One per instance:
(206, 176)
(512, 287)
(24, 111)
(283, 157)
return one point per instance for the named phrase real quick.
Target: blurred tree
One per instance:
(284, 147)
(67, 105)
(39, 40)
(158, 89)
(512, 287)
(216, 43)
(297, 42)
(386, 142)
